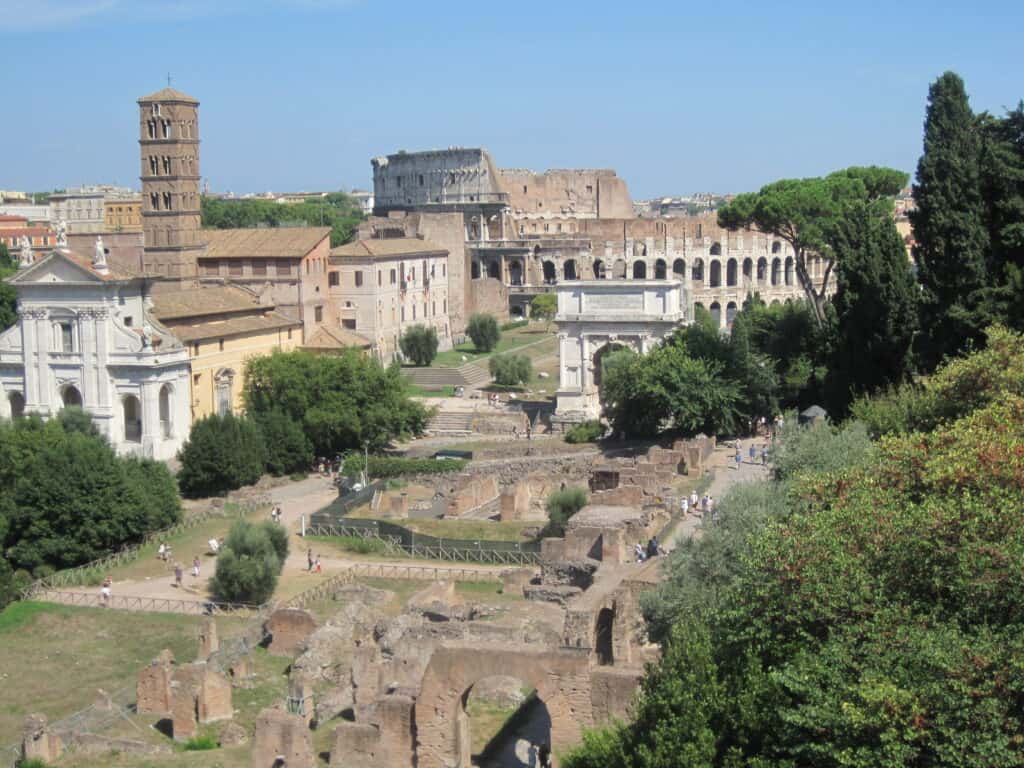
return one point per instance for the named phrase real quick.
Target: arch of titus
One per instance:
(597, 316)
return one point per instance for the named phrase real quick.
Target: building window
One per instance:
(259, 266)
(67, 337)
(318, 314)
(380, 277)
(167, 164)
(332, 278)
(197, 378)
(289, 334)
(421, 179)
(235, 268)
(432, 268)
(195, 351)
(590, 189)
(154, 201)
(359, 278)
(128, 321)
(348, 323)
(167, 201)
(283, 267)
(392, 277)
(210, 267)
(524, 189)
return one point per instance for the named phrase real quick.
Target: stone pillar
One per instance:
(300, 698)
(208, 641)
(37, 743)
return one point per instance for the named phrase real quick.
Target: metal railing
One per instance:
(152, 604)
(423, 572)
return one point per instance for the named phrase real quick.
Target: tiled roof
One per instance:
(266, 243)
(112, 274)
(389, 246)
(213, 300)
(235, 326)
(336, 338)
(169, 94)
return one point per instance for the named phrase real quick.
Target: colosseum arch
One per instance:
(679, 269)
(716, 249)
(639, 270)
(776, 246)
(619, 270)
(716, 313)
(730, 272)
(660, 269)
(515, 272)
(561, 679)
(762, 269)
(715, 278)
(776, 271)
(569, 271)
(550, 273)
(789, 270)
(748, 269)
(697, 271)
(598, 269)
(730, 313)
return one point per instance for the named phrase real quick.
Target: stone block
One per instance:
(357, 744)
(612, 690)
(576, 573)
(289, 628)
(214, 698)
(282, 740)
(516, 501)
(153, 686)
(514, 580)
(199, 694)
(560, 594)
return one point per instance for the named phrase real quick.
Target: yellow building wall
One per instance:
(211, 359)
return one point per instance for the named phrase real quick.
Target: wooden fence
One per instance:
(154, 604)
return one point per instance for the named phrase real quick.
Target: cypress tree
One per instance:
(949, 227)
(876, 305)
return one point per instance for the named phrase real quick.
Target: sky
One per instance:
(677, 97)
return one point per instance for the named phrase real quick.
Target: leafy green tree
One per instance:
(337, 210)
(419, 344)
(75, 419)
(222, 453)
(876, 305)
(286, 447)
(561, 505)
(803, 212)
(510, 370)
(544, 306)
(248, 565)
(949, 225)
(157, 490)
(483, 330)
(342, 401)
(667, 389)
(8, 296)
(74, 500)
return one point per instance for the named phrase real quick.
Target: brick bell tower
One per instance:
(169, 151)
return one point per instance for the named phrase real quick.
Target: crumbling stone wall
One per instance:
(288, 629)
(199, 694)
(561, 679)
(279, 735)
(153, 686)
(471, 492)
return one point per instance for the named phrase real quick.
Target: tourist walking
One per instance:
(693, 500)
(544, 755)
(316, 565)
(753, 453)
(764, 455)
(739, 456)
(179, 573)
(638, 550)
(195, 567)
(105, 592)
(685, 505)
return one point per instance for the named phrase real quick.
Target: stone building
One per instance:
(578, 193)
(222, 327)
(86, 337)
(13, 228)
(169, 157)
(383, 286)
(122, 214)
(81, 208)
(441, 180)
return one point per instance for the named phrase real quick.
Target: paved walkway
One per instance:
(726, 475)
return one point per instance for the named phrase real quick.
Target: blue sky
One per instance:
(676, 96)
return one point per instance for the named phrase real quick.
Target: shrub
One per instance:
(510, 370)
(587, 432)
(200, 744)
(562, 505)
(382, 467)
(359, 545)
(222, 453)
(74, 419)
(248, 565)
(158, 491)
(419, 344)
(278, 538)
(544, 306)
(483, 330)
(286, 448)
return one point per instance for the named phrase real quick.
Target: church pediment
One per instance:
(56, 268)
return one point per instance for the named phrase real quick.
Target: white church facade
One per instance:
(85, 337)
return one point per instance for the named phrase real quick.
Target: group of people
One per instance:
(314, 565)
(753, 454)
(653, 549)
(493, 398)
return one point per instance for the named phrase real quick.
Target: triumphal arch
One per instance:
(596, 317)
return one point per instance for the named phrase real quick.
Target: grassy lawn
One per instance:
(415, 391)
(510, 340)
(54, 657)
(483, 530)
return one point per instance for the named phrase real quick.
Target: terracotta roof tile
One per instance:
(271, 242)
(169, 94)
(389, 246)
(235, 326)
(213, 300)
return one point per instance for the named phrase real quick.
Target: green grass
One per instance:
(200, 743)
(510, 340)
(415, 391)
(53, 658)
(483, 530)
(356, 544)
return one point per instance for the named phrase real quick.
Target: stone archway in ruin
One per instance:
(561, 679)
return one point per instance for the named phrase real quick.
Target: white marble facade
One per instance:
(598, 316)
(85, 337)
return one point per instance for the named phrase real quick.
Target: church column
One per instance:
(150, 417)
(33, 358)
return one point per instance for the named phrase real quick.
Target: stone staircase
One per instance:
(468, 375)
(451, 423)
